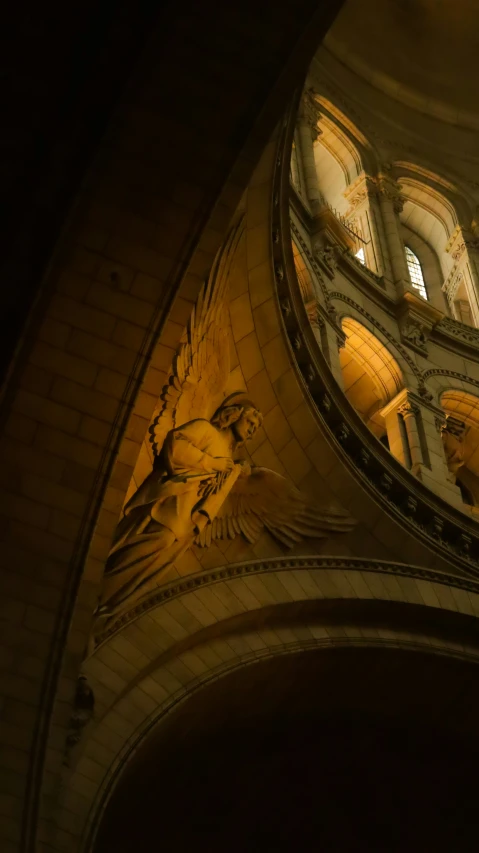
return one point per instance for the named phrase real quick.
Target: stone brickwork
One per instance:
(151, 212)
(141, 674)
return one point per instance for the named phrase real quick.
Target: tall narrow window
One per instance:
(415, 271)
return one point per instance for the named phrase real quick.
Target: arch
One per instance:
(462, 442)
(430, 215)
(303, 272)
(371, 376)
(349, 130)
(454, 380)
(338, 158)
(376, 359)
(177, 646)
(409, 369)
(462, 404)
(456, 193)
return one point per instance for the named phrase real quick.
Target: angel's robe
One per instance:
(161, 519)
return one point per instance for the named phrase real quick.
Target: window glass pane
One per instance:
(415, 271)
(360, 255)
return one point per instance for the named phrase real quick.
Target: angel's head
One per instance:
(239, 414)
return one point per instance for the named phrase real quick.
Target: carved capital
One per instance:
(408, 409)
(415, 334)
(363, 188)
(388, 188)
(460, 240)
(454, 427)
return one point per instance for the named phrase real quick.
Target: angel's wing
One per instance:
(201, 366)
(267, 500)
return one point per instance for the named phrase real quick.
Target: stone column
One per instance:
(308, 132)
(363, 199)
(391, 204)
(414, 427)
(329, 336)
(464, 250)
(410, 414)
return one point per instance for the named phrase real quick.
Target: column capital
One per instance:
(460, 240)
(408, 409)
(413, 404)
(362, 189)
(388, 188)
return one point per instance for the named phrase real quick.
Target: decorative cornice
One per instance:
(368, 187)
(455, 329)
(441, 371)
(362, 189)
(175, 589)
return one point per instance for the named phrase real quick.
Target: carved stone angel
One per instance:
(199, 490)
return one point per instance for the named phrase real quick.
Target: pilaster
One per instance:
(329, 336)
(391, 203)
(364, 209)
(308, 133)
(414, 427)
(463, 248)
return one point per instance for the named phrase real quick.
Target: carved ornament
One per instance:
(200, 490)
(451, 284)
(176, 589)
(408, 409)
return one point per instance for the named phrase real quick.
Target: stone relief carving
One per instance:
(328, 254)
(416, 335)
(200, 489)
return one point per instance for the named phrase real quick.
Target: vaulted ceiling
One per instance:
(421, 52)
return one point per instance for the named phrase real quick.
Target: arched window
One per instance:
(415, 271)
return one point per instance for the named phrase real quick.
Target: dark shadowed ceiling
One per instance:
(423, 52)
(343, 750)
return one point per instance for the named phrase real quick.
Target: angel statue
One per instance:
(200, 489)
